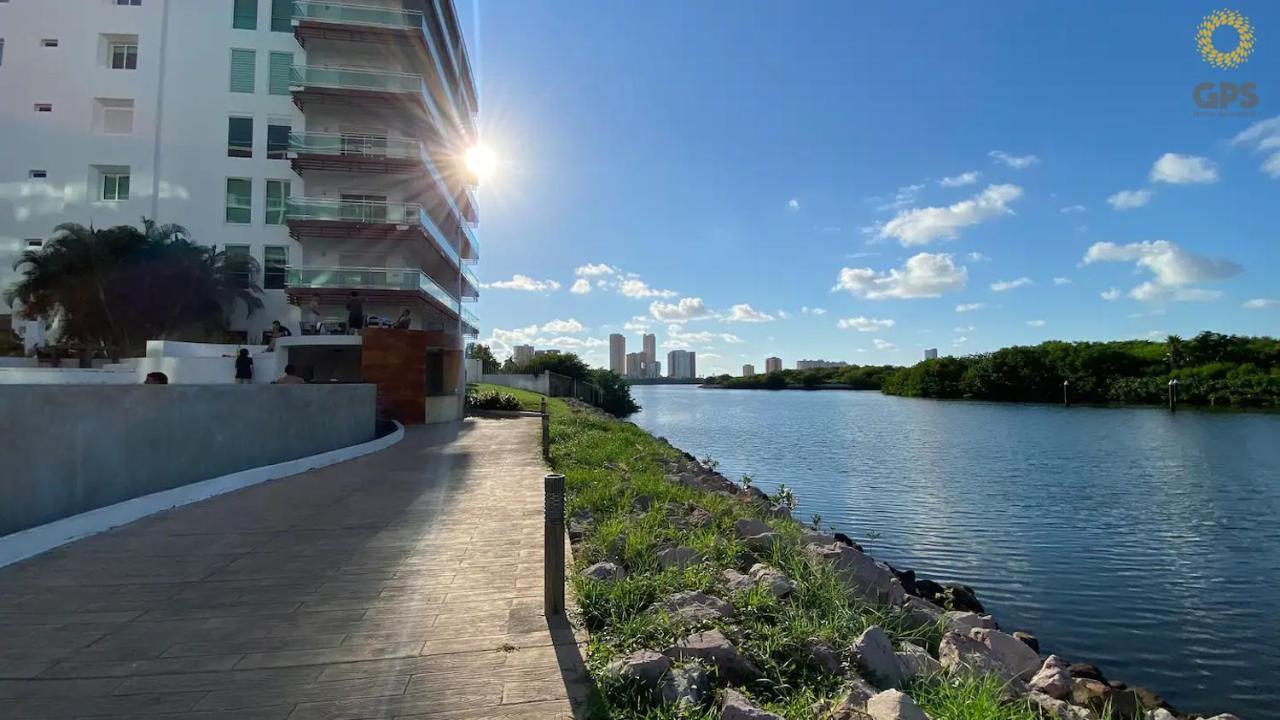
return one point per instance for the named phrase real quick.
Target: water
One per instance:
(1144, 542)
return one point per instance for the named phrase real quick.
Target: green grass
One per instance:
(968, 698)
(609, 465)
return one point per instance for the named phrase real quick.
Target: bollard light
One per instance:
(553, 545)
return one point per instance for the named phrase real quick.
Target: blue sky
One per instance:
(715, 171)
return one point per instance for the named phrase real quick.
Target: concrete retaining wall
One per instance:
(533, 383)
(68, 449)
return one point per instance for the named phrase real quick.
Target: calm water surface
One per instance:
(1145, 542)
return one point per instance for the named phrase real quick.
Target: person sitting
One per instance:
(290, 377)
(277, 331)
(404, 321)
(156, 378)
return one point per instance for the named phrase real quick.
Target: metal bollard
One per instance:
(553, 545)
(546, 432)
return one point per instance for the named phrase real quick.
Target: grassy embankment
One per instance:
(613, 468)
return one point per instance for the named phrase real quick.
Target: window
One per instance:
(277, 140)
(244, 15)
(277, 199)
(44, 107)
(49, 42)
(275, 258)
(130, 3)
(282, 15)
(243, 64)
(278, 77)
(239, 200)
(115, 185)
(37, 174)
(113, 116)
(238, 264)
(124, 56)
(240, 137)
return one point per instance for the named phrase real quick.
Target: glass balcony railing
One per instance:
(352, 145)
(441, 240)
(472, 280)
(470, 235)
(356, 79)
(471, 321)
(366, 278)
(360, 211)
(347, 14)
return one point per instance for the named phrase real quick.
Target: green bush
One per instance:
(492, 400)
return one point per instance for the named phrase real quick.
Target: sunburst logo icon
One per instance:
(1235, 57)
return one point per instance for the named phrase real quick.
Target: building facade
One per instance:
(819, 364)
(522, 353)
(748, 370)
(931, 354)
(682, 364)
(323, 139)
(650, 346)
(618, 353)
(637, 365)
(772, 364)
(654, 369)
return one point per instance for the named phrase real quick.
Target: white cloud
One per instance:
(883, 344)
(966, 178)
(1260, 303)
(731, 338)
(677, 334)
(793, 204)
(864, 324)
(1155, 333)
(970, 307)
(921, 226)
(1003, 285)
(783, 315)
(595, 269)
(1174, 269)
(1073, 209)
(960, 341)
(1264, 136)
(977, 257)
(1183, 169)
(813, 310)
(525, 283)
(905, 196)
(1036, 323)
(637, 288)
(745, 313)
(581, 286)
(963, 328)
(924, 275)
(1062, 281)
(690, 308)
(1130, 199)
(565, 342)
(639, 323)
(563, 326)
(1111, 294)
(1013, 161)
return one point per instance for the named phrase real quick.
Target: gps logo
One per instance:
(1220, 96)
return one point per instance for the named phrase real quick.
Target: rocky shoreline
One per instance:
(873, 672)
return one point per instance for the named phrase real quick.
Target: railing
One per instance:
(360, 211)
(366, 278)
(469, 318)
(356, 79)
(345, 14)
(471, 278)
(473, 253)
(441, 240)
(354, 145)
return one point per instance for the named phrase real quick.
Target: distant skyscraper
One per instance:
(772, 363)
(522, 353)
(618, 353)
(682, 364)
(748, 370)
(635, 365)
(816, 364)
(650, 347)
(654, 369)
(931, 354)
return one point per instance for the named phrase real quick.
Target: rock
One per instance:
(853, 701)
(961, 597)
(1149, 699)
(1028, 639)
(1052, 709)
(875, 655)
(894, 705)
(1162, 714)
(641, 503)
(756, 496)
(906, 577)
(861, 574)
(1097, 696)
(922, 613)
(813, 537)
(604, 571)
(1087, 671)
(645, 667)
(736, 582)
(1053, 679)
(846, 540)
(963, 654)
(928, 589)
(737, 707)
(580, 524)
(1018, 660)
(688, 686)
(679, 557)
(762, 543)
(693, 606)
(700, 518)
(823, 656)
(747, 527)
(1224, 716)
(772, 579)
(915, 662)
(780, 511)
(713, 648)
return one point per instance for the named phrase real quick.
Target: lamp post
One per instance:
(1065, 401)
(1173, 395)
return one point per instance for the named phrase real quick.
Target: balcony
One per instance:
(469, 205)
(329, 218)
(470, 324)
(345, 152)
(470, 246)
(392, 285)
(357, 87)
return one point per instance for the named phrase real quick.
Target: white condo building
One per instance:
(618, 353)
(682, 364)
(323, 139)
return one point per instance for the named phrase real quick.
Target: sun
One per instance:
(481, 161)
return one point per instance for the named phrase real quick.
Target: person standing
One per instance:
(355, 314)
(313, 315)
(244, 368)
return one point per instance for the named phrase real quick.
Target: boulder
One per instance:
(737, 582)
(780, 511)
(693, 606)
(679, 557)
(1012, 654)
(1087, 671)
(747, 527)
(1149, 699)
(963, 654)
(929, 590)
(813, 537)
(604, 571)
(1160, 714)
(1097, 696)
(861, 574)
(737, 707)
(894, 705)
(700, 518)
(879, 662)
(964, 621)
(821, 655)
(1053, 679)
(1224, 716)
(756, 496)
(641, 503)
(579, 525)
(645, 667)
(915, 662)
(714, 649)
(1052, 709)
(852, 704)
(772, 579)
(846, 540)
(687, 686)
(762, 543)
(1028, 639)
(960, 597)
(906, 577)
(922, 613)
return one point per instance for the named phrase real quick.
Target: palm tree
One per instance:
(118, 287)
(1173, 347)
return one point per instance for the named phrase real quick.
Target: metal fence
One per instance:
(565, 386)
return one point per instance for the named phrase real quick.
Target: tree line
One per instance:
(615, 391)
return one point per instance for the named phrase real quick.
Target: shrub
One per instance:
(492, 400)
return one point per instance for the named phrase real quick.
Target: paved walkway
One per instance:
(405, 584)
